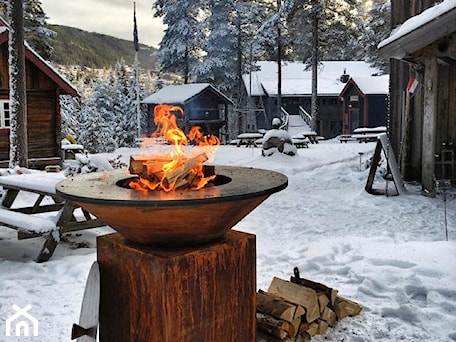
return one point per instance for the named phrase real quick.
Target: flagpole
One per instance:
(136, 46)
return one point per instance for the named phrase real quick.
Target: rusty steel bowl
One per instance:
(178, 218)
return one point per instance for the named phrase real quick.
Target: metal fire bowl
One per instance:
(172, 219)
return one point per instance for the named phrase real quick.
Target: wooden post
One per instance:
(205, 293)
(429, 126)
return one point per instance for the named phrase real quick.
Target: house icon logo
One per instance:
(21, 322)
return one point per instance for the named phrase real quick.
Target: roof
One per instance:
(297, 80)
(39, 62)
(180, 94)
(374, 85)
(421, 30)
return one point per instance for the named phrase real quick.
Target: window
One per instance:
(4, 114)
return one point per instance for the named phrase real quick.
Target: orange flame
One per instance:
(177, 167)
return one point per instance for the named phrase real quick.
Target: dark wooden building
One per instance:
(203, 105)
(423, 123)
(364, 102)
(296, 91)
(44, 85)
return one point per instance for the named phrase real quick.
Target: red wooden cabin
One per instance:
(44, 87)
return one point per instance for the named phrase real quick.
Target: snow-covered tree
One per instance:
(179, 48)
(97, 120)
(36, 32)
(219, 64)
(376, 28)
(70, 110)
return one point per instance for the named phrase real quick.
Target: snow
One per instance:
(297, 80)
(419, 20)
(372, 85)
(387, 253)
(178, 93)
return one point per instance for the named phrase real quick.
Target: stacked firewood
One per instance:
(180, 176)
(300, 308)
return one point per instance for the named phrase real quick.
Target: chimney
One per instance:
(345, 77)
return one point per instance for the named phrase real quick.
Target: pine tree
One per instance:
(377, 28)
(179, 48)
(36, 32)
(219, 65)
(97, 119)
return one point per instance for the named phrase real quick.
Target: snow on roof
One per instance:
(419, 20)
(297, 80)
(178, 94)
(4, 27)
(373, 84)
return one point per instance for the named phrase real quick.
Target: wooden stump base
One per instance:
(204, 293)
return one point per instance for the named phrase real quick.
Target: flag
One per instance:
(135, 29)
(412, 85)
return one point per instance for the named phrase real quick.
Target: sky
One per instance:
(111, 17)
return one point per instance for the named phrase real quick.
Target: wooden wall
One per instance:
(401, 71)
(43, 111)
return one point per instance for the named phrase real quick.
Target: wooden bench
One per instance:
(345, 138)
(366, 134)
(61, 214)
(300, 142)
(29, 223)
(248, 139)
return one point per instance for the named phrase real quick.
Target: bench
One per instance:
(366, 134)
(25, 219)
(249, 139)
(300, 142)
(345, 138)
(28, 223)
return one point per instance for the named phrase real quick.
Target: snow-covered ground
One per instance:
(387, 253)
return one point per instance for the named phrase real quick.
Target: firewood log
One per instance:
(344, 307)
(308, 328)
(322, 327)
(295, 293)
(323, 301)
(329, 292)
(278, 307)
(137, 162)
(275, 327)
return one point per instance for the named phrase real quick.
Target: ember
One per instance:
(176, 169)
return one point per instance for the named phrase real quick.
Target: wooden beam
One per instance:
(429, 126)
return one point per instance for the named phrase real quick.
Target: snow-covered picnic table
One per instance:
(310, 135)
(45, 213)
(248, 139)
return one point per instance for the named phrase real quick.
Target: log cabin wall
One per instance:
(399, 76)
(43, 112)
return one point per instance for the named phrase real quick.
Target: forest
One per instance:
(214, 41)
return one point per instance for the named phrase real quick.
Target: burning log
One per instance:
(168, 173)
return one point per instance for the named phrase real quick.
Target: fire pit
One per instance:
(177, 218)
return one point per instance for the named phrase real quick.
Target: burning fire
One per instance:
(176, 169)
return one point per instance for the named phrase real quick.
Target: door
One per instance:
(353, 117)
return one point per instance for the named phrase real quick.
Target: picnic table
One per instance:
(48, 215)
(311, 136)
(248, 139)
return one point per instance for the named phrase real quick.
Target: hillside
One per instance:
(74, 46)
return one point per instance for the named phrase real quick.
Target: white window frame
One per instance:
(5, 114)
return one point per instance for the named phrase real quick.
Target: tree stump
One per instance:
(204, 293)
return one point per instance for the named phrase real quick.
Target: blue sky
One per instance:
(112, 17)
